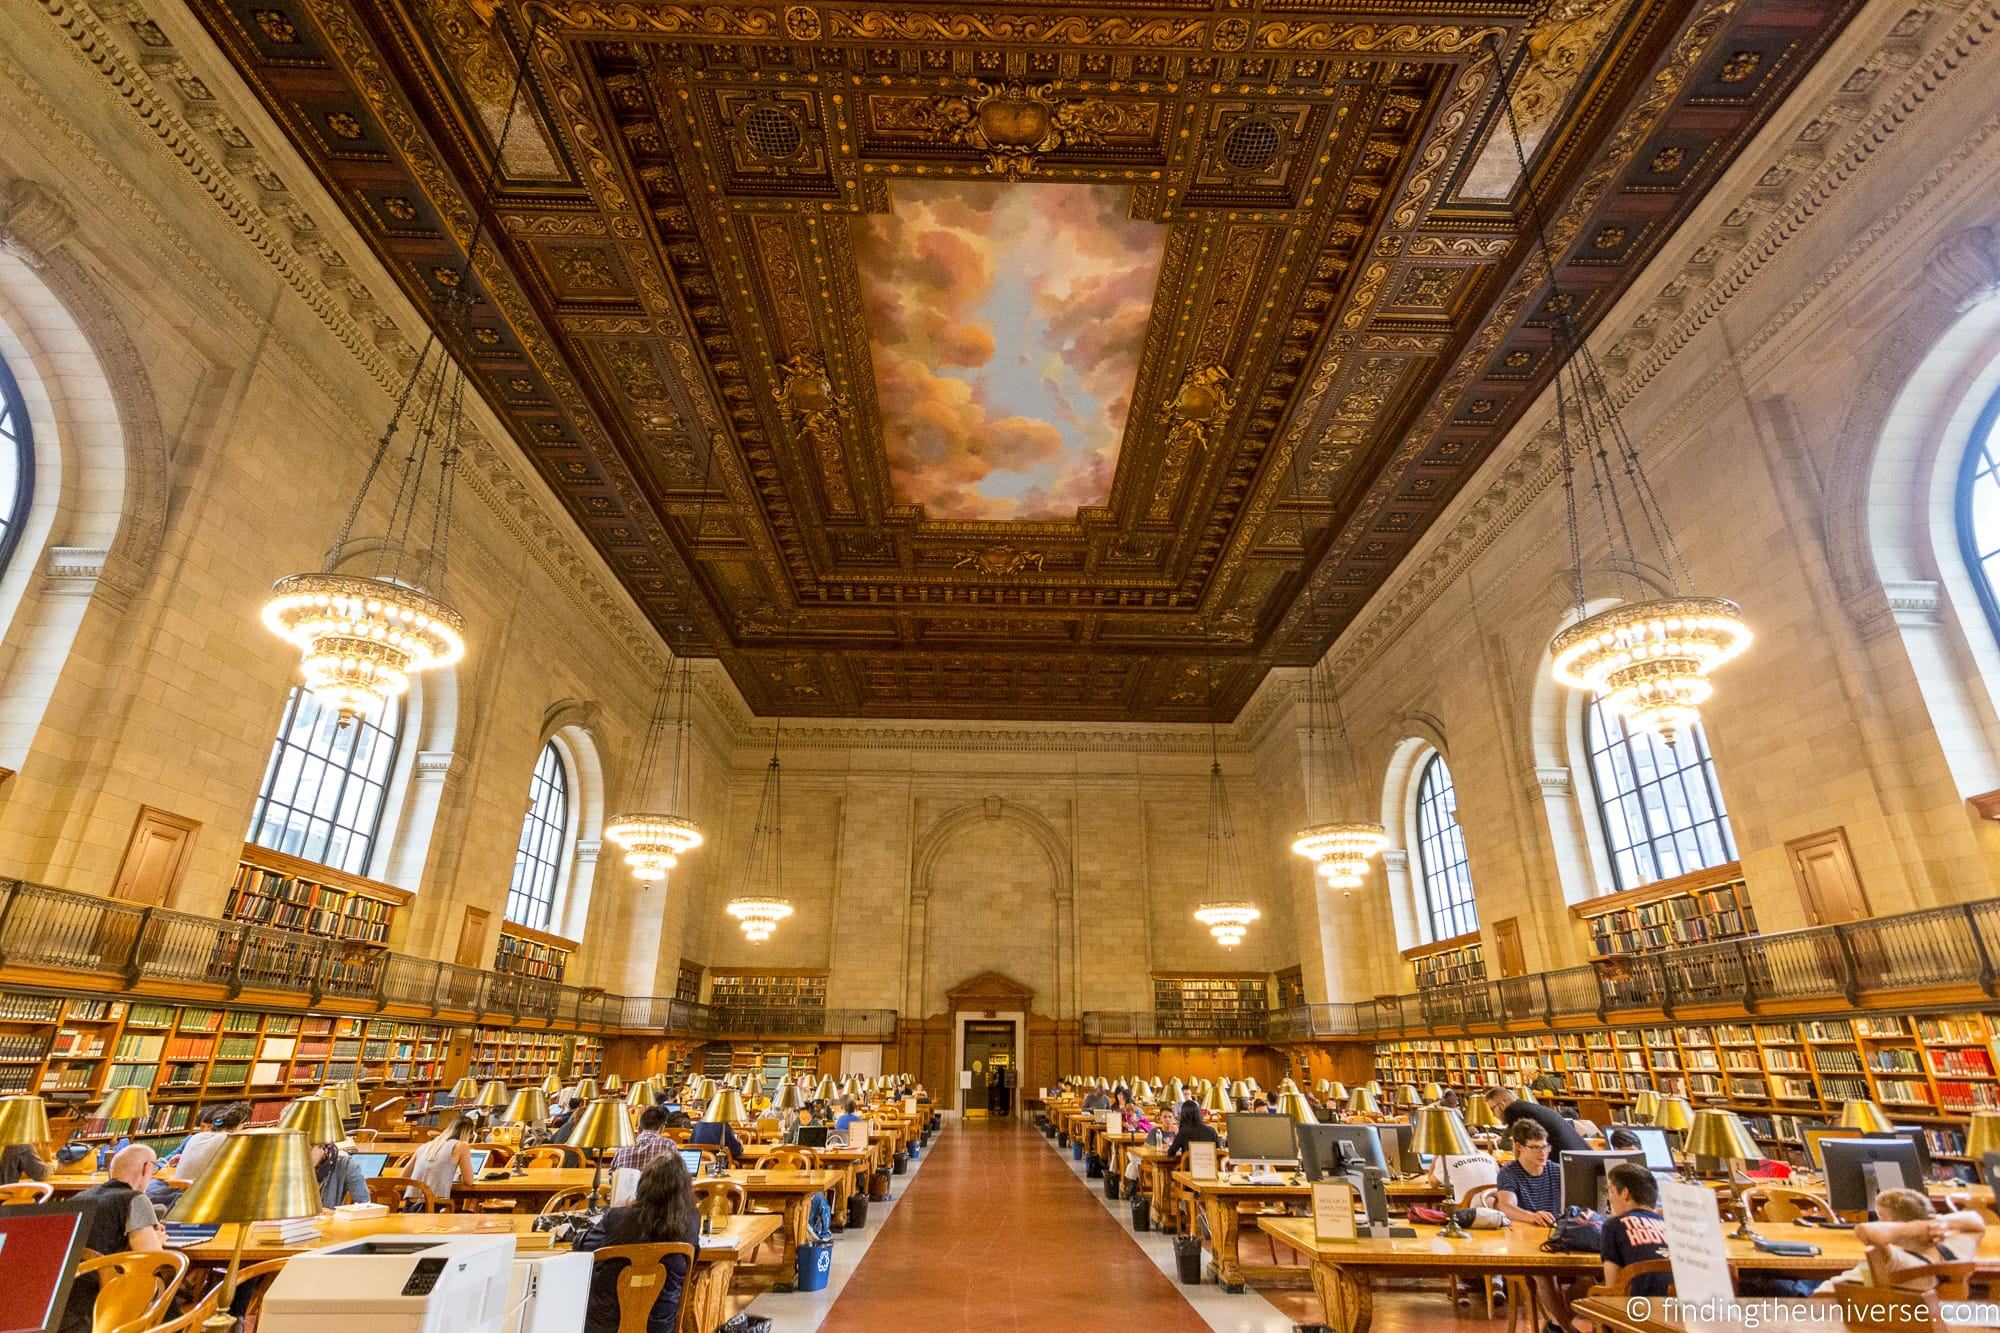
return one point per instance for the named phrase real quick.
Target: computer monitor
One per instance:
(479, 1156)
(371, 1163)
(1399, 1146)
(1585, 1177)
(1814, 1135)
(1915, 1134)
(1653, 1142)
(1323, 1153)
(1859, 1169)
(1362, 1144)
(813, 1136)
(41, 1243)
(1257, 1139)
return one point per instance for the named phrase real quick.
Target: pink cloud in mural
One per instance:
(1005, 323)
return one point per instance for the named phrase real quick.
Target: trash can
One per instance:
(1093, 1166)
(1111, 1183)
(1187, 1258)
(857, 1209)
(878, 1186)
(902, 1163)
(1076, 1150)
(1142, 1213)
(815, 1265)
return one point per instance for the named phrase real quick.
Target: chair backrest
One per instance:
(252, 1283)
(1949, 1280)
(498, 1154)
(549, 1155)
(26, 1191)
(789, 1158)
(566, 1200)
(718, 1199)
(1621, 1281)
(397, 1191)
(1784, 1203)
(1468, 1173)
(769, 1127)
(642, 1279)
(133, 1287)
(189, 1319)
(366, 1135)
(1479, 1196)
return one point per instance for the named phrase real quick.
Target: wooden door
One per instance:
(156, 858)
(1507, 947)
(472, 938)
(1823, 868)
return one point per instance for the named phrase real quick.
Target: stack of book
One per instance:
(287, 1231)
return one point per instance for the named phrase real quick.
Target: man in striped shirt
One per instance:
(649, 1146)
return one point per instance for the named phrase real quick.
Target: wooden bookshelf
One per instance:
(767, 990)
(1453, 962)
(1290, 987)
(1711, 904)
(687, 986)
(519, 1057)
(1222, 1004)
(288, 893)
(770, 1061)
(524, 952)
(1930, 1069)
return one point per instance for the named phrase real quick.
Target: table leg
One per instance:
(705, 1305)
(1347, 1304)
(1222, 1227)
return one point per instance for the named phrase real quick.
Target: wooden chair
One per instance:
(393, 1193)
(26, 1191)
(787, 1158)
(1518, 1292)
(190, 1319)
(642, 1278)
(366, 1135)
(718, 1199)
(566, 1200)
(769, 1128)
(499, 1154)
(550, 1155)
(251, 1284)
(1784, 1203)
(1621, 1281)
(1910, 1305)
(134, 1288)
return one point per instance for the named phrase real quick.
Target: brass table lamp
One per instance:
(825, 1092)
(788, 1098)
(257, 1175)
(1365, 1101)
(587, 1089)
(552, 1085)
(1294, 1104)
(1525, 1094)
(126, 1106)
(492, 1095)
(639, 1096)
(1645, 1104)
(1674, 1115)
(613, 1083)
(465, 1091)
(1720, 1135)
(1865, 1116)
(602, 1126)
(1216, 1101)
(1982, 1134)
(1432, 1093)
(1479, 1114)
(318, 1118)
(24, 1120)
(529, 1106)
(1407, 1094)
(1440, 1132)
(726, 1106)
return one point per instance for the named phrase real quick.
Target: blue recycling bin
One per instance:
(815, 1265)
(1076, 1150)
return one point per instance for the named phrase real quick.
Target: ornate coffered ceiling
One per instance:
(675, 322)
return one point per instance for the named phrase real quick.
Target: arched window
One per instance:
(1661, 807)
(543, 850)
(17, 463)
(1441, 864)
(322, 792)
(1979, 513)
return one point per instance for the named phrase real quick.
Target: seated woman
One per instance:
(338, 1176)
(1192, 1129)
(447, 1159)
(1911, 1234)
(663, 1211)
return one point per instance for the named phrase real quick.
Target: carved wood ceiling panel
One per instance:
(1346, 319)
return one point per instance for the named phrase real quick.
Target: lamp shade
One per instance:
(1523, 1094)
(552, 1085)
(338, 1094)
(639, 1094)
(529, 1106)
(1407, 1094)
(124, 1105)
(493, 1095)
(1375, 1086)
(1719, 1134)
(465, 1091)
(1432, 1092)
(1440, 1130)
(1479, 1114)
(257, 1175)
(789, 1098)
(725, 1106)
(1982, 1135)
(825, 1092)
(587, 1089)
(23, 1119)
(318, 1118)
(1334, 1091)
(1365, 1101)
(1293, 1104)
(602, 1126)
(613, 1083)
(1865, 1116)
(1644, 1103)
(1216, 1100)
(1674, 1113)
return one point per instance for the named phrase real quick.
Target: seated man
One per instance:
(648, 1145)
(119, 1217)
(1635, 1232)
(1531, 1191)
(1910, 1234)
(1507, 1105)
(716, 1131)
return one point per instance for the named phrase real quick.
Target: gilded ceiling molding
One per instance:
(488, 474)
(1696, 295)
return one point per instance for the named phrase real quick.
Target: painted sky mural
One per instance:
(1005, 323)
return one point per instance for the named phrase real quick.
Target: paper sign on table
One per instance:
(965, 1078)
(909, 1106)
(1201, 1161)
(1695, 1244)
(1333, 1210)
(1114, 1122)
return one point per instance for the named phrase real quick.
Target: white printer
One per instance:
(394, 1284)
(548, 1292)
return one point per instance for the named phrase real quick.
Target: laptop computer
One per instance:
(479, 1156)
(813, 1136)
(371, 1163)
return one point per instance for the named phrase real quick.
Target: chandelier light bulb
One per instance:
(1227, 922)
(361, 639)
(653, 843)
(1649, 661)
(1342, 850)
(759, 917)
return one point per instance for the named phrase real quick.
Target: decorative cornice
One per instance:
(1550, 784)
(33, 222)
(72, 571)
(438, 765)
(1915, 603)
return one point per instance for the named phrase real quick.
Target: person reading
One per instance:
(1635, 1232)
(338, 1176)
(1530, 1189)
(663, 1211)
(1509, 1107)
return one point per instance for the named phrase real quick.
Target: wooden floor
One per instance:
(995, 1233)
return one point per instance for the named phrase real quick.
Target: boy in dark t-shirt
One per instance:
(1635, 1231)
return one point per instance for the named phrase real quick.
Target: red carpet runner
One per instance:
(996, 1233)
